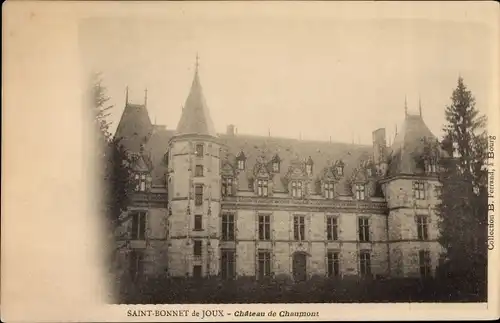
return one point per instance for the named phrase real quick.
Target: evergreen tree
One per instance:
(115, 176)
(463, 195)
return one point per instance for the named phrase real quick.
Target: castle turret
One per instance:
(194, 189)
(409, 188)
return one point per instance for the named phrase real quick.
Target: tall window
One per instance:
(241, 164)
(264, 260)
(296, 188)
(364, 263)
(328, 188)
(264, 227)
(363, 230)
(309, 169)
(198, 171)
(197, 247)
(331, 228)
(422, 227)
(198, 195)
(262, 186)
(228, 227)
(360, 191)
(140, 182)
(198, 222)
(299, 227)
(136, 264)
(333, 264)
(227, 266)
(227, 186)
(199, 150)
(424, 257)
(369, 172)
(419, 190)
(138, 225)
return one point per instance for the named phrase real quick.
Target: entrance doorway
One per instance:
(299, 266)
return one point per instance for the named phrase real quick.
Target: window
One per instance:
(199, 150)
(363, 230)
(309, 169)
(198, 171)
(264, 260)
(430, 166)
(228, 227)
(331, 228)
(364, 263)
(264, 227)
(197, 271)
(360, 191)
(369, 172)
(340, 170)
(276, 166)
(227, 186)
(328, 188)
(138, 225)
(298, 227)
(262, 187)
(198, 222)
(197, 248)
(136, 264)
(422, 227)
(141, 182)
(333, 265)
(424, 257)
(419, 190)
(198, 195)
(227, 266)
(296, 188)
(241, 164)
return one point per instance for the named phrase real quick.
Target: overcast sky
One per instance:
(314, 74)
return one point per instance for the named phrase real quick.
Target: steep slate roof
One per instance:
(408, 143)
(322, 154)
(195, 118)
(135, 126)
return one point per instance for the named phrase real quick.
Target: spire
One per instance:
(420, 106)
(195, 117)
(126, 96)
(146, 97)
(406, 107)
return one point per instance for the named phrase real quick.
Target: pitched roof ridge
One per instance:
(254, 136)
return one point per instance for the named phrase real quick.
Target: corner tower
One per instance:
(410, 184)
(194, 189)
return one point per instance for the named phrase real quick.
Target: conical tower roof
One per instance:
(195, 118)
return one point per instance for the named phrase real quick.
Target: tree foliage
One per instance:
(462, 210)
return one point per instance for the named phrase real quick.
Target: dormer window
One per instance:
(340, 170)
(430, 166)
(240, 159)
(199, 150)
(227, 186)
(369, 172)
(262, 187)
(297, 189)
(309, 166)
(142, 182)
(360, 191)
(328, 190)
(241, 164)
(276, 164)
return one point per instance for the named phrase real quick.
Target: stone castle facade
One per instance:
(230, 205)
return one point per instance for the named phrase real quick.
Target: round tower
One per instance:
(194, 190)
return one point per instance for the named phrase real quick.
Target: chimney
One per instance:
(230, 130)
(380, 149)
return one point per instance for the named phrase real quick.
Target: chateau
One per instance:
(231, 205)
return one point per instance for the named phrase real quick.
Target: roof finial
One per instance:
(126, 95)
(420, 106)
(197, 62)
(146, 97)
(406, 107)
